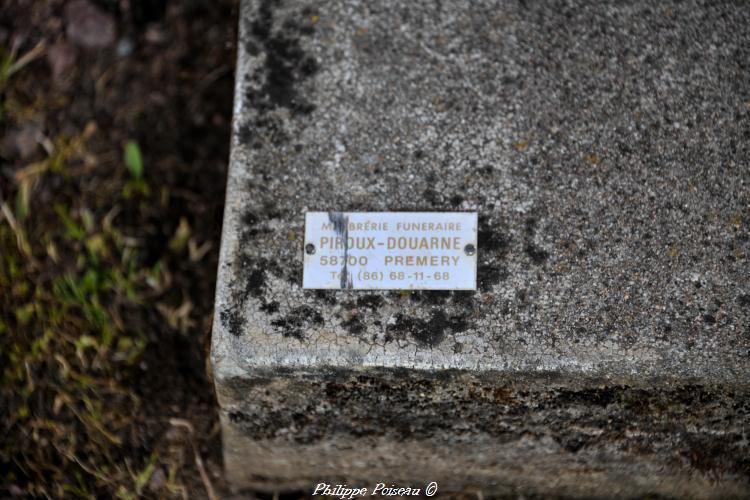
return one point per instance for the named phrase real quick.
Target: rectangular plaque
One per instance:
(390, 250)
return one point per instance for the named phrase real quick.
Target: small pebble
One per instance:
(88, 26)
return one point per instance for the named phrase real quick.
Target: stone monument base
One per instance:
(494, 433)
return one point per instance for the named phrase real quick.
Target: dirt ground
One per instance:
(114, 137)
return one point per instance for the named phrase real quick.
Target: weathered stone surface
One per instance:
(605, 148)
(494, 433)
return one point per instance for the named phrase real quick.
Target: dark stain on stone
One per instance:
(286, 63)
(493, 246)
(249, 218)
(537, 255)
(252, 227)
(332, 389)
(253, 233)
(299, 319)
(247, 264)
(370, 301)
(530, 225)
(491, 239)
(597, 396)
(709, 319)
(232, 321)
(295, 276)
(246, 133)
(711, 455)
(427, 333)
(270, 307)
(744, 300)
(434, 297)
(255, 282)
(252, 48)
(694, 422)
(417, 328)
(354, 326)
(360, 309)
(249, 281)
(574, 444)
(325, 296)
(432, 197)
(489, 275)
(238, 417)
(249, 274)
(486, 170)
(463, 298)
(273, 130)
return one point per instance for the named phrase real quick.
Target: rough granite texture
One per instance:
(606, 148)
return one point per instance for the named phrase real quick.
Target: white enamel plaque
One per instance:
(390, 250)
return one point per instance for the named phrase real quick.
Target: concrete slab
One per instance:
(605, 148)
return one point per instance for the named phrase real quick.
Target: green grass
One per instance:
(68, 280)
(109, 223)
(66, 344)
